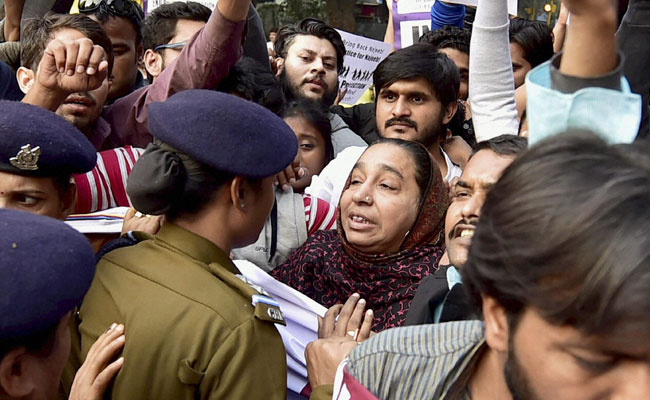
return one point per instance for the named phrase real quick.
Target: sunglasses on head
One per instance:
(123, 8)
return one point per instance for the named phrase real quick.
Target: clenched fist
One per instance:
(70, 66)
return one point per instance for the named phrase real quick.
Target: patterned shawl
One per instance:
(328, 269)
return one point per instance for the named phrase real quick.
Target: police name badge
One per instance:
(267, 309)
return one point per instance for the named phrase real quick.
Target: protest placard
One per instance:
(415, 6)
(412, 18)
(361, 58)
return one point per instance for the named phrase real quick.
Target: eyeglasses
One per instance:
(178, 45)
(123, 8)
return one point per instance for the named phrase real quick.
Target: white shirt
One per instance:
(328, 185)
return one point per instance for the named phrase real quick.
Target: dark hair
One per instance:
(40, 343)
(38, 32)
(199, 189)
(421, 158)
(273, 29)
(104, 12)
(310, 27)
(316, 117)
(252, 81)
(420, 61)
(166, 181)
(448, 37)
(160, 25)
(534, 37)
(566, 232)
(504, 145)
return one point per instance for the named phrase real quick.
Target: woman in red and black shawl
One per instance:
(390, 235)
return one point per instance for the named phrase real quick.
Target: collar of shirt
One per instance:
(101, 132)
(453, 277)
(456, 384)
(194, 246)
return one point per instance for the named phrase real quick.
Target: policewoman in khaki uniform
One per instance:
(194, 328)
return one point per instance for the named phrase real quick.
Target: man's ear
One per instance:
(450, 111)
(153, 63)
(25, 77)
(496, 325)
(279, 63)
(15, 379)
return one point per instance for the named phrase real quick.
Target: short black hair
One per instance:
(310, 27)
(503, 145)
(566, 232)
(315, 116)
(448, 37)
(420, 61)
(251, 80)
(160, 25)
(38, 32)
(534, 37)
(104, 12)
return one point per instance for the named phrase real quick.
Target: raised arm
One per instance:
(632, 37)
(590, 44)
(582, 88)
(202, 64)
(491, 81)
(13, 13)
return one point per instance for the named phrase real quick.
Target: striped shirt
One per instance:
(432, 361)
(319, 215)
(104, 187)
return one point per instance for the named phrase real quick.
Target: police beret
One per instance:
(37, 142)
(224, 132)
(45, 270)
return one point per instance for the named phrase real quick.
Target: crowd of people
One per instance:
(479, 230)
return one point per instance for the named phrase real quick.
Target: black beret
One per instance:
(37, 142)
(224, 132)
(45, 270)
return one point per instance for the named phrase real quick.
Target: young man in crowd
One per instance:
(531, 43)
(439, 297)
(55, 77)
(416, 93)
(309, 59)
(167, 30)
(122, 22)
(454, 42)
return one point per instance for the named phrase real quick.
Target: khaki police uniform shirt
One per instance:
(191, 329)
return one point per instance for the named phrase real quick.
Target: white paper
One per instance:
(105, 221)
(301, 315)
(361, 58)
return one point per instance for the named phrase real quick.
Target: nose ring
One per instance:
(367, 198)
